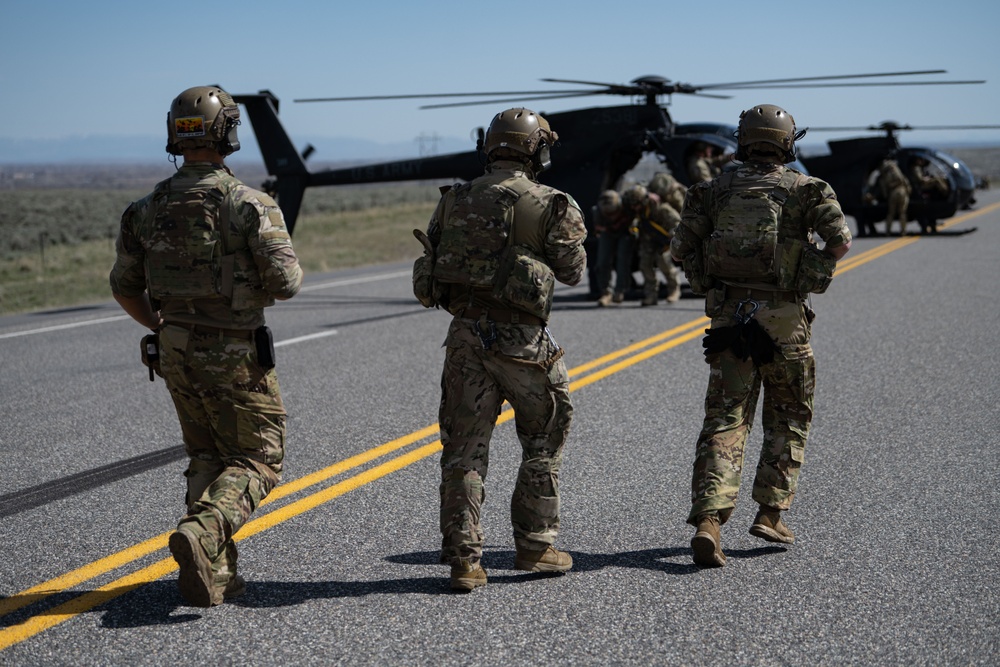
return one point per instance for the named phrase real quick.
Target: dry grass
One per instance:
(69, 275)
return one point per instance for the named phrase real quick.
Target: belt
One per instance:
(501, 316)
(735, 292)
(204, 328)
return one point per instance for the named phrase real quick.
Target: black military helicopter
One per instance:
(851, 164)
(597, 146)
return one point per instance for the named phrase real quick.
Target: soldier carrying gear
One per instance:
(655, 222)
(668, 189)
(198, 260)
(895, 190)
(494, 249)
(745, 240)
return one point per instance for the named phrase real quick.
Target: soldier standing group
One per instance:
(645, 215)
(200, 258)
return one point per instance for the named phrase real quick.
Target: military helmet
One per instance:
(770, 124)
(203, 117)
(520, 130)
(609, 203)
(637, 194)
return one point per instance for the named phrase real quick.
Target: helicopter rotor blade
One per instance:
(957, 127)
(585, 83)
(699, 94)
(654, 87)
(819, 78)
(364, 98)
(506, 100)
(854, 85)
(891, 126)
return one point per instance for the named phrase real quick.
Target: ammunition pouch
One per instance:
(423, 281)
(525, 281)
(694, 270)
(815, 271)
(429, 292)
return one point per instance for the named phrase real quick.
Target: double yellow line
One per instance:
(581, 376)
(854, 261)
(587, 373)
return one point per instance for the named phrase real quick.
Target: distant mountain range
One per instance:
(134, 149)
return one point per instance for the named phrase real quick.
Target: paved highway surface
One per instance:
(896, 558)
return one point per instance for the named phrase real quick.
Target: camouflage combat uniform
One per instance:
(656, 222)
(668, 189)
(522, 365)
(895, 191)
(734, 385)
(230, 409)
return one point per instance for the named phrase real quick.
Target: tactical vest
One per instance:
(187, 253)
(748, 242)
(476, 231)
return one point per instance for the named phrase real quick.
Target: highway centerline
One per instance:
(86, 601)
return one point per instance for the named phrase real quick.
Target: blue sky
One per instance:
(110, 67)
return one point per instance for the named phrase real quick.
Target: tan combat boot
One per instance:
(768, 525)
(467, 576)
(675, 295)
(618, 297)
(605, 300)
(548, 559)
(707, 542)
(196, 580)
(236, 587)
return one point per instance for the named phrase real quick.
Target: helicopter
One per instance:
(852, 163)
(597, 145)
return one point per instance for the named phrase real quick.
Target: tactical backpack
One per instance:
(187, 252)
(749, 244)
(746, 244)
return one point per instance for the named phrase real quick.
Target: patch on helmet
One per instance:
(189, 126)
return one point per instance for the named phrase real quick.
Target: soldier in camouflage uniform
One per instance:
(615, 247)
(926, 187)
(702, 166)
(198, 260)
(656, 221)
(495, 247)
(895, 190)
(746, 242)
(668, 189)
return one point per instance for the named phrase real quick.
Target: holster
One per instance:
(264, 343)
(150, 350)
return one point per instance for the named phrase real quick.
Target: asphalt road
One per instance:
(896, 558)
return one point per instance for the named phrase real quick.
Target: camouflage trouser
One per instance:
(652, 256)
(233, 424)
(614, 252)
(524, 367)
(899, 200)
(730, 403)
